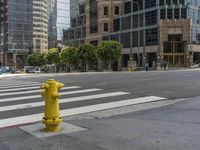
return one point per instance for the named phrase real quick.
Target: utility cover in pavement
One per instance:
(35, 130)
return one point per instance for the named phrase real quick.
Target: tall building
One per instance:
(58, 19)
(40, 26)
(63, 17)
(23, 29)
(159, 30)
(76, 34)
(52, 23)
(1, 31)
(17, 30)
(90, 20)
(150, 30)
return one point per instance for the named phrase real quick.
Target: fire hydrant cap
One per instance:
(51, 80)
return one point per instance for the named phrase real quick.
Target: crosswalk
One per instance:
(21, 103)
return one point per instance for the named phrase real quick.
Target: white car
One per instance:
(37, 70)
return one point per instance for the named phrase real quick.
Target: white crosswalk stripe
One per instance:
(19, 84)
(19, 102)
(24, 88)
(67, 100)
(35, 91)
(16, 86)
(39, 96)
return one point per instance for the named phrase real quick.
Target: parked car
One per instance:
(29, 69)
(4, 69)
(37, 70)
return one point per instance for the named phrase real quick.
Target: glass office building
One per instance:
(52, 21)
(16, 29)
(150, 30)
(1, 32)
(159, 30)
(76, 34)
(63, 17)
(59, 19)
(19, 27)
(23, 30)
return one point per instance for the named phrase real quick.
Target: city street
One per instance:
(104, 111)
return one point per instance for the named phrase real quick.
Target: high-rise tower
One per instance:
(23, 29)
(40, 26)
(16, 31)
(58, 19)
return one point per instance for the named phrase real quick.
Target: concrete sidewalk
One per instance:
(170, 127)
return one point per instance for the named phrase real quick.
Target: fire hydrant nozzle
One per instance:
(51, 118)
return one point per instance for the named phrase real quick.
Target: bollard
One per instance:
(51, 118)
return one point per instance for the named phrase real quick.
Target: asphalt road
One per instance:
(170, 124)
(170, 84)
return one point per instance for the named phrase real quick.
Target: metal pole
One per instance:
(138, 35)
(138, 8)
(131, 38)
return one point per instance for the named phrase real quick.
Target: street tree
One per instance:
(40, 60)
(69, 56)
(32, 59)
(109, 51)
(53, 57)
(36, 59)
(87, 55)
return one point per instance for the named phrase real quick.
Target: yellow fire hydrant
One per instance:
(51, 118)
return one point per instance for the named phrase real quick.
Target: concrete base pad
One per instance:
(36, 130)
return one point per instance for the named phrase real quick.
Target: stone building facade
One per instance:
(150, 30)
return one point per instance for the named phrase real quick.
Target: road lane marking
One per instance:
(67, 100)
(39, 96)
(36, 91)
(77, 111)
(19, 84)
(11, 87)
(18, 89)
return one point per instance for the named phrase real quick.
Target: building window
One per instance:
(93, 16)
(105, 27)
(125, 39)
(126, 23)
(168, 2)
(162, 14)
(162, 2)
(175, 2)
(169, 13)
(116, 25)
(116, 10)
(183, 13)
(176, 14)
(141, 20)
(151, 37)
(135, 21)
(105, 11)
(150, 3)
(81, 9)
(135, 39)
(182, 2)
(127, 7)
(151, 18)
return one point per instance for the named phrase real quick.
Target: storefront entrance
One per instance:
(175, 53)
